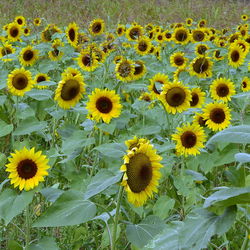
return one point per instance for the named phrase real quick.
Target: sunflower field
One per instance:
(136, 137)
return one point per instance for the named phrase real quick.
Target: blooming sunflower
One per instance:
(56, 54)
(71, 71)
(96, 27)
(104, 104)
(181, 35)
(37, 21)
(175, 97)
(178, 60)
(159, 37)
(134, 32)
(201, 66)
(5, 50)
(26, 31)
(19, 81)
(236, 56)
(189, 139)
(143, 46)
(222, 89)
(198, 35)
(167, 36)
(87, 60)
(135, 142)
(217, 55)
(189, 21)
(156, 84)
(201, 49)
(27, 168)
(14, 32)
(198, 98)
(244, 17)
(120, 30)
(245, 84)
(217, 116)
(140, 70)
(69, 91)
(202, 23)
(41, 77)
(49, 31)
(141, 173)
(125, 70)
(28, 56)
(72, 34)
(20, 20)
(198, 119)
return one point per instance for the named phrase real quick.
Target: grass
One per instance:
(220, 13)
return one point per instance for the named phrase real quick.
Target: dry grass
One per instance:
(219, 13)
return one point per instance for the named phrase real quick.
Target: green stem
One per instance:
(119, 198)
(245, 242)
(27, 232)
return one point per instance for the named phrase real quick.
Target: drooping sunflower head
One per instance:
(134, 32)
(141, 173)
(69, 91)
(181, 35)
(143, 46)
(198, 35)
(104, 104)
(189, 139)
(87, 60)
(245, 84)
(96, 27)
(120, 30)
(55, 54)
(72, 34)
(201, 49)
(198, 98)
(41, 77)
(236, 56)
(178, 60)
(222, 89)
(201, 66)
(217, 116)
(28, 56)
(48, 32)
(20, 20)
(175, 97)
(157, 83)
(125, 70)
(140, 70)
(37, 21)
(14, 32)
(19, 81)
(27, 168)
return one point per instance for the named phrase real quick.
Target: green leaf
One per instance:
(228, 197)
(47, 243)
(12, 203)
(13, 245)
(5, 128)
(149, 130)
(109, 128)
(140, 234)
(69, 209)
(40, 94)
(29, 126)
(2, 99)
(101, 181)
(162, 206)
(51, 194)
(242, 157)
(113, 150)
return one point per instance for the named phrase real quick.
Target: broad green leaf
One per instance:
(51, 194)
(12, 203)
(2, 99)
(149, 130)
(102, 180)
(40, 94)
(162, 206)
(196, 176)
(13, 245)
(47, 243)
(113, 150)
(69, 209)
(228, 197)
(46, 83)
(5, 128)
(140, 234)
(109, 128)
(29, 126)
(242, 157)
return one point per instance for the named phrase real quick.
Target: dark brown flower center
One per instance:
(72, 35)
(217, 54)
(235, 56)
(200, 65)
(222, 90)
(28, 55)
(26, 169)
(41, 79)
(6, 51)
(217, 115)
(119, 31)
(14, 32)
(202, 49)
(160, 37)
(70, 90)
(124, 69)
(179, 60)
(96, 28)
(104, 104)
(195, 100)
(244, 84)
(168, 35)
(134, 33)
(86, 60)
(139, 172)
(19, 21)
(138, 68)
(181, 35)
(188, 139)
(142, 46)
(175, 96)
(201, 121)
(198, 36)
(20, 81)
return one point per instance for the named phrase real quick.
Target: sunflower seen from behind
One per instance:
(28, 56)
(189, 139)
(27, 168)
(19, 82)
(104, 105)
(141, 170)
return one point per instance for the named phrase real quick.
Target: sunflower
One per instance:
(243, 45)
(178, 72)
(27, 168)
(202, 23)
(72, 34)
(41, 77)
(181, 35)
(159, 37)
(175, 97)
(6, 50)
(143, 46)
(135, 142)
(217, 116)
(141, 173)
(198, 98)
(222, 89)
(120, 30)
(145, 96)
(87, 60)
(28, 56)
(37, 21)
(20, 20)
(156, 84)
(244, 17)
(245, 84)
(198, 119)
(19, 81)
(201, 49)
(96, 27)
(71, 71)
(198, 35)
(189, 139)
(217, 55)
(201, 66)
(140, 70)
(49, 31)
(178, 60)
(104, 104)
(236, 56)
(134, 32)
(149, 27)
(125, 70)
(26, 31)
(14, 32)
(69, 91)
(189, 21)
(100, 55)
(167, 36)
(56, 54)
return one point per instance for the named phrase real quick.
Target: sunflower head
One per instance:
(14, 32)
(143, 46)
(201, 49)
(28, 56)
(96, 27)
(157, 83)
(244, 17)
(41, 77)
(189, 21)
(20, 20)
(140, 70)
(202, 23)
(87, 60)
(198, 35)
(72, 34)
(125, 70)
(245, 84)
(55, 54)
(181, 35)
(48, 32)
(120, 30)
(6, 50)
(236, 56)
(178, 60)
(134, 32)
(198, 98)
(198, 119)
(201, 66)
(37, 21)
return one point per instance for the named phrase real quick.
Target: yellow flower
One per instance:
(125, 70)
(201, 49)
(143, 46)
(201, 67)
(236, 56)
(120, 30)
(5, 50)
(28, 56)
(181, 35)
(72, 34)
(178, 60)
(20, 20)
(140, 70)
(87, 60)
(198, 98)
(198, 35)
(134, 32)
(27, 168)
(37, 21)
(56, 54)
(41, 78)
(157, 83)
(245, 84)
(96, 27)
(14, 31)
(49, 31)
